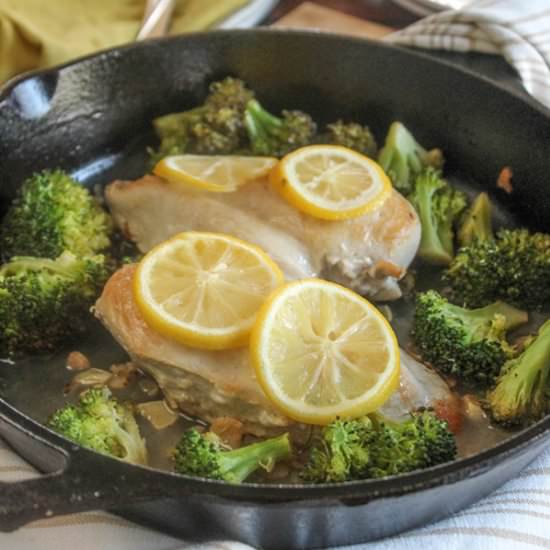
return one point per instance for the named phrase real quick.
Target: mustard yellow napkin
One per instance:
(40, 33)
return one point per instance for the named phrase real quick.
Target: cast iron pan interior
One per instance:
(93, 117)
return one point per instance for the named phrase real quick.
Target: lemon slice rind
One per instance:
(192, 334)
(304, 177)
(297, 409)
(214, 173)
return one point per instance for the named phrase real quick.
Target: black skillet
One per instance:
(93, 116)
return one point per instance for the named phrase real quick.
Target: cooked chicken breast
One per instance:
(368, 254)
(214, 384)
(206, 384)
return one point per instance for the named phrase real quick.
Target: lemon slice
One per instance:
(321, 351)
(331, 182)
(217, 173)
(204, 289)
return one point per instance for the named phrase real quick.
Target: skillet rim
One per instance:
(8, 86)
(364, 489)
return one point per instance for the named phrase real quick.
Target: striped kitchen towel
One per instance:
(515, 517)
(519, 30)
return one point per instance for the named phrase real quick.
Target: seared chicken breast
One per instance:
(214, 384)
(206, 384)
(368, 254)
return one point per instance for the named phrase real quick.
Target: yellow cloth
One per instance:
(40, 33)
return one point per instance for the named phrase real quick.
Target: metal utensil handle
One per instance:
(156, 19)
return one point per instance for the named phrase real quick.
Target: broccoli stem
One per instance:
(438, 206)
(402, 152)
(403, 158)
(262, 117)
(478, 319)
(19, 264)
(237, 465)
(259, 123)
(431, 248)
(476, 223)
(520, 395)
(254, 128)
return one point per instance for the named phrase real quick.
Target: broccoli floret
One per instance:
(476, 222)
(514, 267)
(273, 136)
(374, 446)
(44, 301)
(231, 121)
(229, 92)
(522, 390)
(353, 136)
(204, 455)
(53, 213)
(102, 423)
(438, 206)
(470, 344)
(202, 130)
(215, 127)
(420, 442)
(403, 158)
(342, 452)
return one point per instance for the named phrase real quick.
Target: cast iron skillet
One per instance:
(84, 116)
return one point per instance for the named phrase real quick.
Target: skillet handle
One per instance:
(78, 479)
(46, 496)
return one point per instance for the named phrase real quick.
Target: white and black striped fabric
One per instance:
(519, 30)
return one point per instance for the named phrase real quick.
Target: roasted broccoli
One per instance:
(342, 452)
(521, 394)
(438, 206)
(52, 214)
(215, 127)
(273, 136)
(403, 158)
(231, 120)
(476, 222)
(204, 455)
(373, 446)
(469, 344)
(351, 135)
(229, 93)
(514, 267)
(45, 301)
(102, 423)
